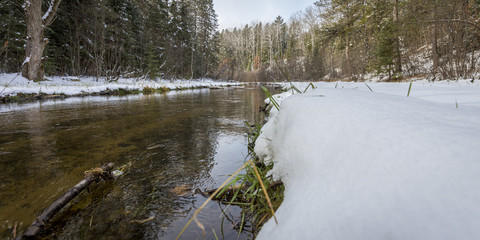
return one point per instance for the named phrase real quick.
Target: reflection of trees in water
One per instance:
(181, 131)
(171, 138)
(27, 167)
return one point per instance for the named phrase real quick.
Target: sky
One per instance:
(236, 13)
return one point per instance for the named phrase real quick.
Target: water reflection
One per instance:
(177, 142)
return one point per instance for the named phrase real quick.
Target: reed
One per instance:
(272, 99)
(199, 224)
(409, 89)
(253, 133)
(309, 85)
(368, 87)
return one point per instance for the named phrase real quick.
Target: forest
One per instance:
(113, 38)
(357, 39)
(332, 39)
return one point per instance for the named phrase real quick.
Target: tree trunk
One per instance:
(434, 42)
(32, 67)
(333, 74)
(398, 59)
(348, 70)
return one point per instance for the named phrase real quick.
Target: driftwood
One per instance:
(94, 175)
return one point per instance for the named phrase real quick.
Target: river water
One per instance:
(174, 142)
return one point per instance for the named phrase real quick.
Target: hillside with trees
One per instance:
(332, 39)
(354, 39)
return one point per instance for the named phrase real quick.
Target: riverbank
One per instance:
(14, 87)
(364, 161)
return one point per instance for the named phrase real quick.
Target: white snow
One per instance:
(376, 165)
(75, 86)
(27, 59)
(48, 12)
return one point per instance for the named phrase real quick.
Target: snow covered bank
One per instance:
(376, 165)
(464, 92)
(88, 85)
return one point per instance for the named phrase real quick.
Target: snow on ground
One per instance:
(376, 165)
(75, 86)
(463, 92)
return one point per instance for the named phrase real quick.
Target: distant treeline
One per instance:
(112, 38)
(351, 39)
(332, 39)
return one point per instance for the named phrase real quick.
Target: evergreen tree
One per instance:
(157, 25)
(205, 35)
(12, 41)
(179, 39)
(385, 52)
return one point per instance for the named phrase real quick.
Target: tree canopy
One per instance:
(332, 39)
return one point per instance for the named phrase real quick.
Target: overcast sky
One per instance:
(236, 13)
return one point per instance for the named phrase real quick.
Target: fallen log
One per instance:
(91, 176)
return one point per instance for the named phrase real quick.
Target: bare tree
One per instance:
(36, 24)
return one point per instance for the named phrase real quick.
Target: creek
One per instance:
(175, 142)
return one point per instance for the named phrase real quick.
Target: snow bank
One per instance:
(75, 86)
(363, 165)
(463, 92)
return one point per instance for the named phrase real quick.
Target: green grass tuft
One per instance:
(409, 88)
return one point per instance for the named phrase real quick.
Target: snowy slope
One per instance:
(363, 165)
(462, 92)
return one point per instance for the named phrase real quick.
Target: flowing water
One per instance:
(175, 142)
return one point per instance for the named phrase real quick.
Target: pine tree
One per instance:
(206, 26)
(157, 25)
(12, 28)
(386, 50)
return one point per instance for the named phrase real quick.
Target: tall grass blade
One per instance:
(336, 85)
(269, 95)
(207, 201)
(264, 191)
(18, 74)
(295, 88)
(285, 74)
(241, 225)
(221, 227)
(309, 85)
(215, 234)
(232, 183)
(236, 194)
(368, 87)
(409, 88)
(261, 220)
(456, 102)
